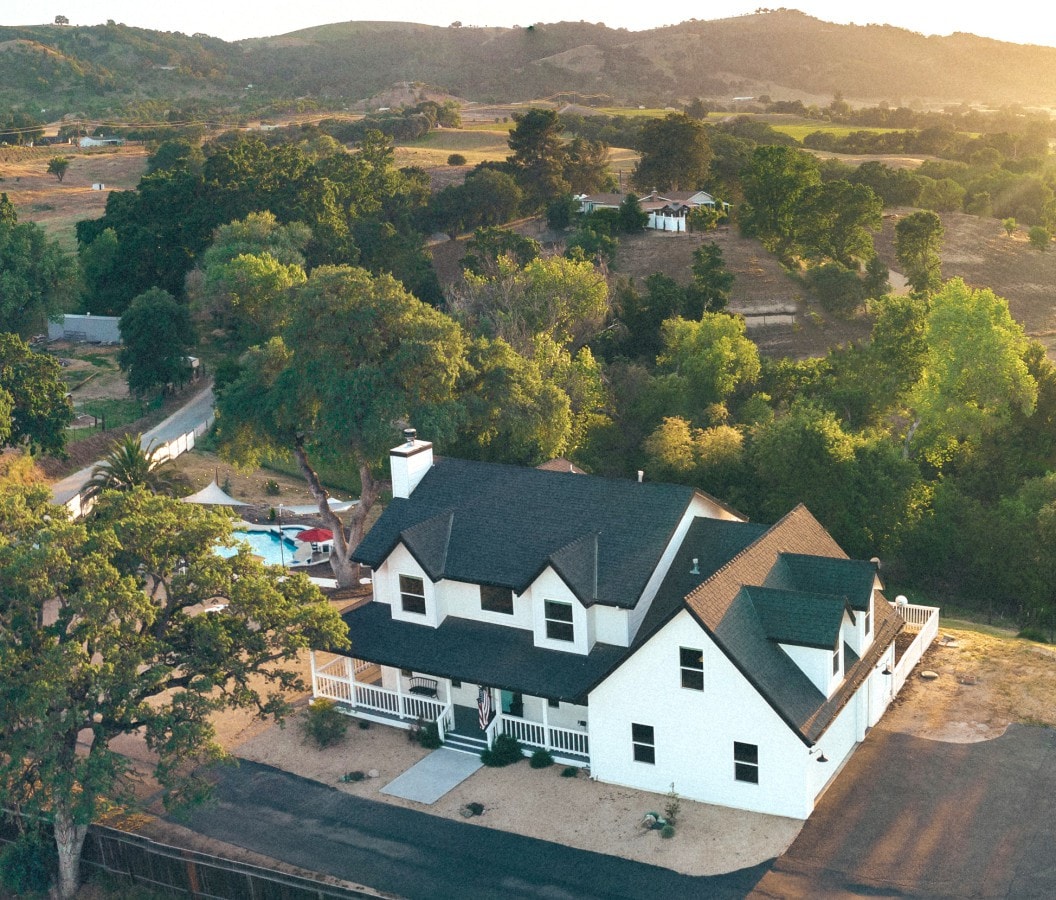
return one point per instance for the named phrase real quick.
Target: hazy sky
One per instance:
(1013, 20)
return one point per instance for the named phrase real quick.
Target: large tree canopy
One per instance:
(102, 633)
(359, 358)
(34, 409)
(675, 155)
(157, 334)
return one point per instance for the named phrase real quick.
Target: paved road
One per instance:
(419, 856)
(919, 818)
(188, 417)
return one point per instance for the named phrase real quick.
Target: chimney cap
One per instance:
(410, 434)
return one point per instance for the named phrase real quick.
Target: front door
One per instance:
(513, 704)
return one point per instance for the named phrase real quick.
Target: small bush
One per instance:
(475, 808)
(27, 864)
(541, 759)
(456, 159)
(673, 805)
(363, 724)
(570, 772)
(353, 777)
(1033, 633)
(505, 751)
(324, 723)
(429, 736)
(271, 488)
(1039, 237)
(668, 831)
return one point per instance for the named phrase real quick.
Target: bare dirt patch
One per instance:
(985, 682)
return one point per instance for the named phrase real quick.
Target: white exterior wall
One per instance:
(550, 586)
(837, 743)
(463, 601)
(881, 686)
(700, 506)
(387, 588)
(610, 625)
(816, 665)
(695, 730)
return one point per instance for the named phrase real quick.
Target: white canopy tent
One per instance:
(311, 509)
(213, 495)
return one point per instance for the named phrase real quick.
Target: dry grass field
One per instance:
(58, 207)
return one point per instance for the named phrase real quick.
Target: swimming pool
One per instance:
(267, 545)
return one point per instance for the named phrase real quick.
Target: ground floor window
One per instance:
(643, 743)
(746, 762)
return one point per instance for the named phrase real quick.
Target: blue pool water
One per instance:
(266, 544)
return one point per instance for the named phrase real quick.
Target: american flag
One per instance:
(484, 711)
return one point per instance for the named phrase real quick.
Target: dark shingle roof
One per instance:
(796, 617)
(478, 652)
(487, 523)
(727, 613)
(852, 579)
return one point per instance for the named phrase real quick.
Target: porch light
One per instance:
(822, 758)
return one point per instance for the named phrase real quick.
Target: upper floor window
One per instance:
(868, 621)
(559, 621)
(412, 594)
(836, 660)
(691, 661)
(496, 599)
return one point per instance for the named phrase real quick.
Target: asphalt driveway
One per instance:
(919, 818)
(415, 855)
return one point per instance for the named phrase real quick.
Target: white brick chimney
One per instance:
(409, 462)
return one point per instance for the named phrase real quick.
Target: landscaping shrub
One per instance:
(1039, 238)
(541, 759)
(570, 772)
(324, 723)
(363, 724)
(673, 805)
(271, 488)
(505, 751)
(27, 864)
(353, 777)
(668, 831)
(429, 736)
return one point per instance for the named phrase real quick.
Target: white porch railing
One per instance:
(549, 737)
(925, 621)
(336, 681)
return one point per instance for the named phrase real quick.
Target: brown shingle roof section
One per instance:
(727, 614)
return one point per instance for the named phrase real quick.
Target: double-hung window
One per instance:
(746, 762)
(836, 660)
(412, 594)
(691, 662)
(643, 743)
(558, 617)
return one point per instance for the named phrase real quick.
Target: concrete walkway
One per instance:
(429, 779)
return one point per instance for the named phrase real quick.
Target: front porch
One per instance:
(400, 698)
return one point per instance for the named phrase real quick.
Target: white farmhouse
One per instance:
(667, 211)
(644, 630)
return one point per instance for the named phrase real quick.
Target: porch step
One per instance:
(464, 744)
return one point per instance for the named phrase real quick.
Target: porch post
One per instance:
(315, 683)
(546, 723)
(399, 692)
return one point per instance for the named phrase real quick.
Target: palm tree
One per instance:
(128, 465)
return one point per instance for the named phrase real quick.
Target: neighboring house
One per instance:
(667, 212)
(101, 142)
(644, 630)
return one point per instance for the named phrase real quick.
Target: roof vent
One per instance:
(410, 434)
(696, 567)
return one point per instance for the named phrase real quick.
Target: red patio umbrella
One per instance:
(315, 535)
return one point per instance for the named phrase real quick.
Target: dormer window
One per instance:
(868, 621)
(412, 594)
(836, 661)
(558, 617)
(496, 599)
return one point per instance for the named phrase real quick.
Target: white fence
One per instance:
(561, 741)
(924, 620)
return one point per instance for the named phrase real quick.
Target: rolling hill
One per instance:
(782, 53)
